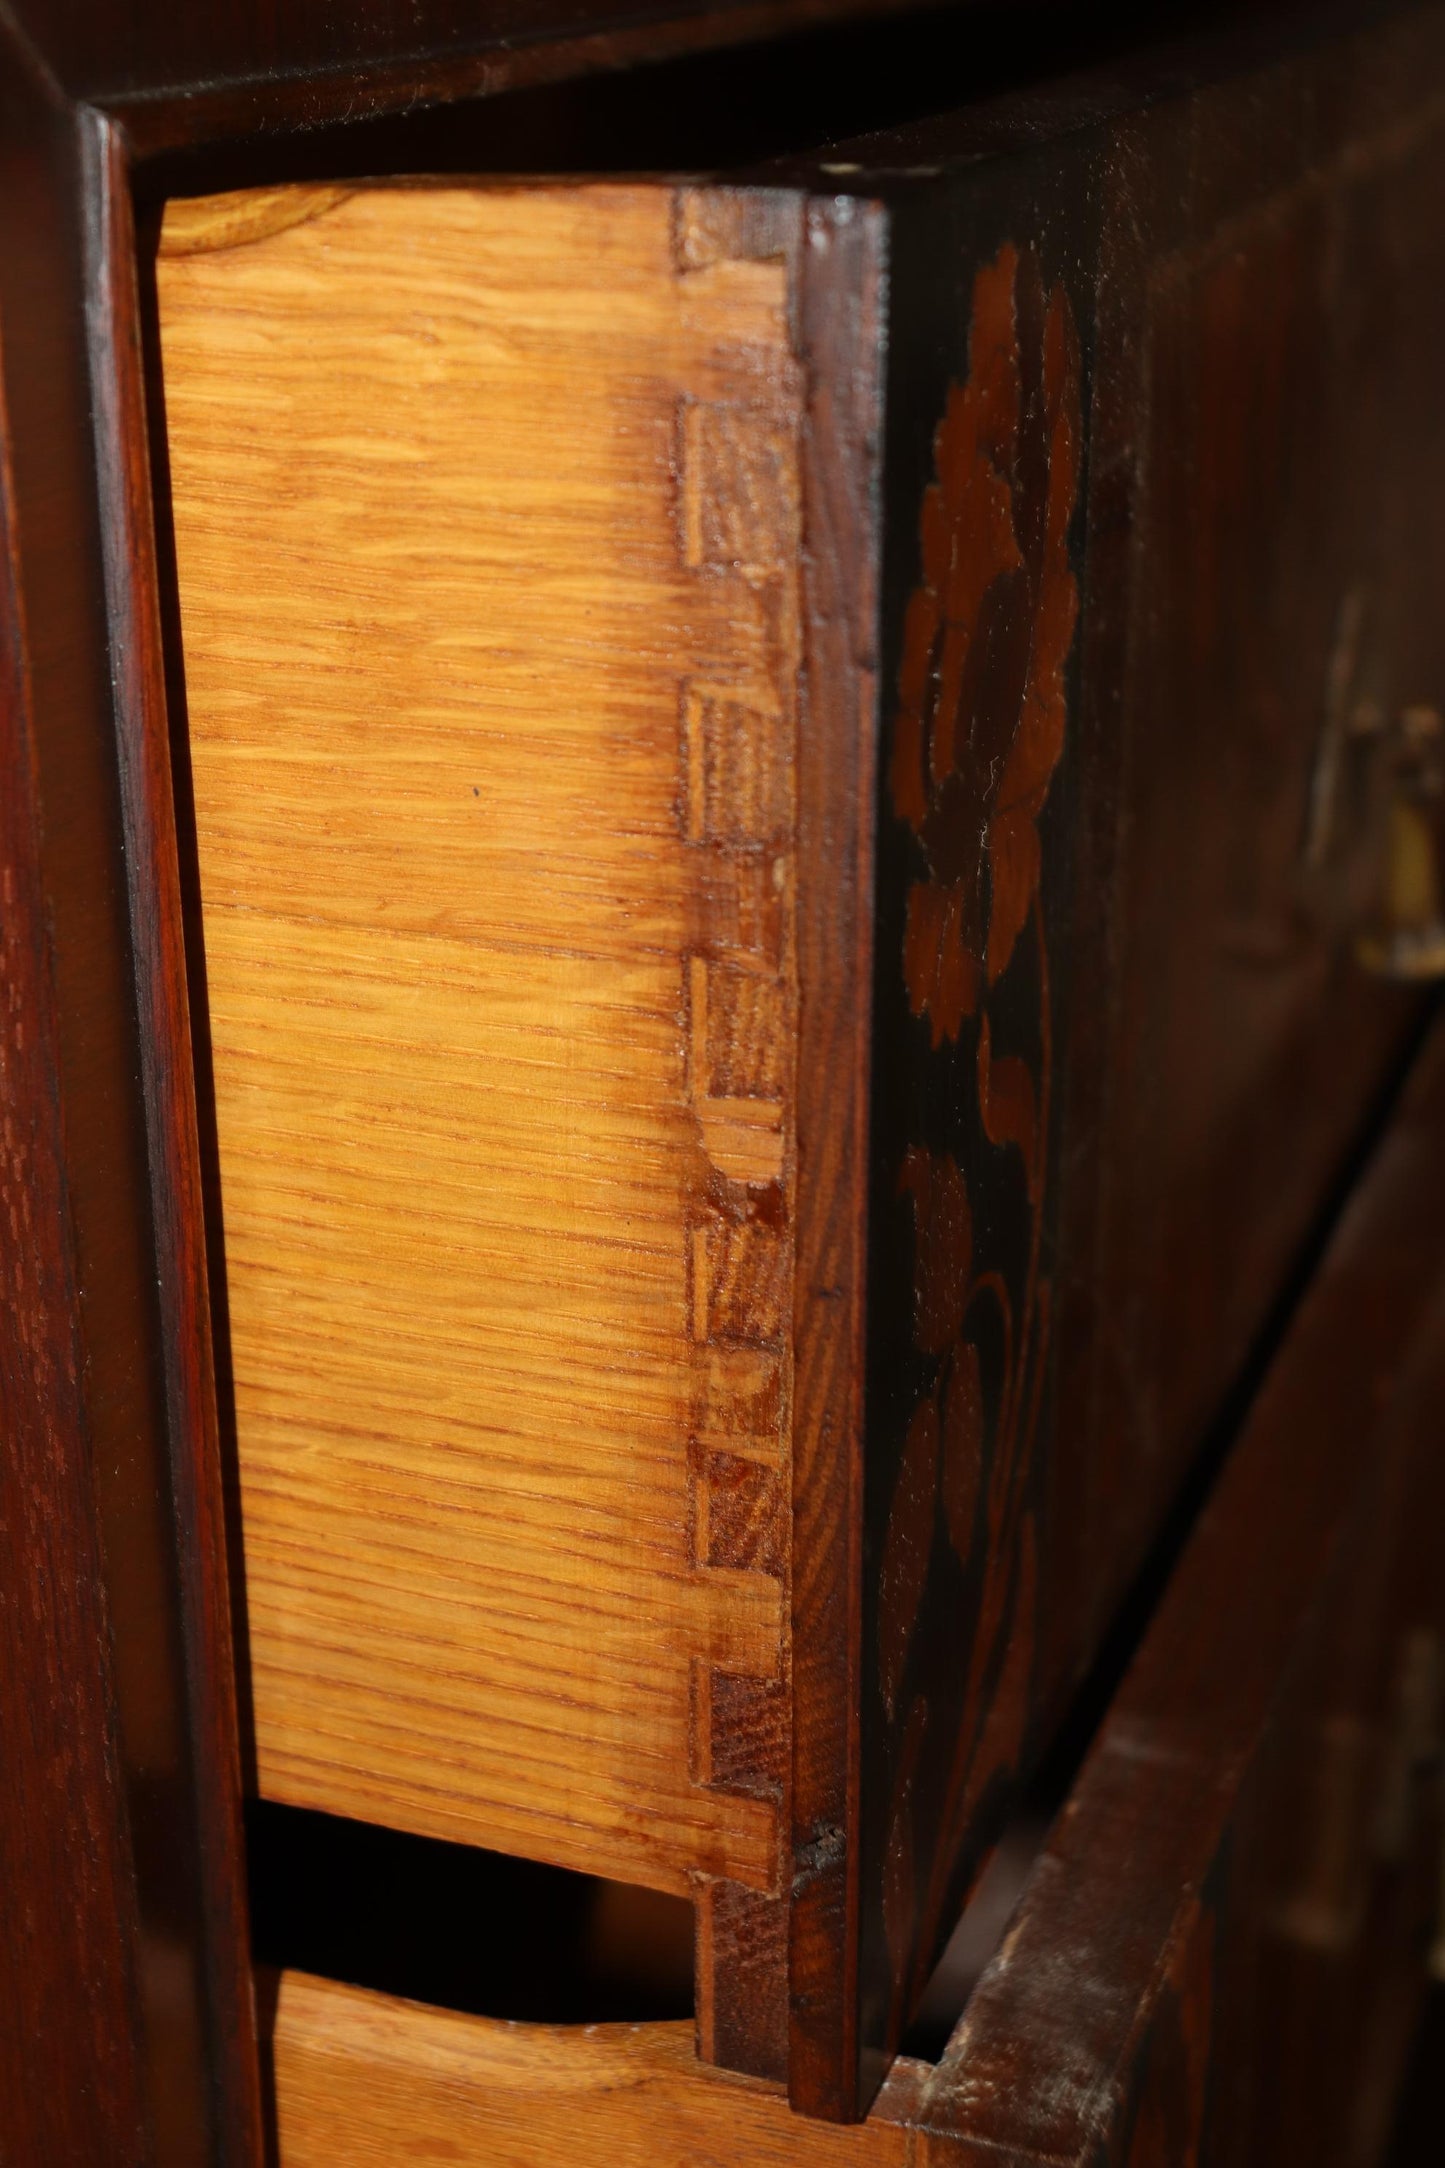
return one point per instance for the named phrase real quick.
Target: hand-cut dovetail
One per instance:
(742, 1134)
(712, 226)
(743, 1138)
(739, 487)
(737, 522)
(738, 769)
(738, 1622)
(745, 1515)
(748, 1274)
(740, 1402)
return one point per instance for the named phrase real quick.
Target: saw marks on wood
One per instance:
(486, 516)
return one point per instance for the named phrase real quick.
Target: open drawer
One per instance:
(1217, 1960)
(785, 786)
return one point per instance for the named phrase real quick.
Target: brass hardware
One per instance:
(1406, 939)
(1375, 824)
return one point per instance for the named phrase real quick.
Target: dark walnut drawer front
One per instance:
(805, 796)
(1218, 1959)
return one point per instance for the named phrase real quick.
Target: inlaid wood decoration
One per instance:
(977, 733)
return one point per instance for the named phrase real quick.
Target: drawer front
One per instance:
(1159, 613)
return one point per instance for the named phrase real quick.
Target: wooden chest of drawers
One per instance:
(629, 1447)
(774, 847)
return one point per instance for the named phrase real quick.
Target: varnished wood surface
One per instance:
(359, 2077)
(486, 525)
(67, 1979)
(1022, 1141)
(842, 307)
(162, 996)
(124, 1986)
(1124, 1050)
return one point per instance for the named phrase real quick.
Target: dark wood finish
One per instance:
(958, 1550)
(840, 322)
(1143, 462)
(72, 2078)
(168, 1076)
(1277, 341)
(1219, 1956)
(103, 54)
(243, 72)
(139, 1991)
(128, 1887)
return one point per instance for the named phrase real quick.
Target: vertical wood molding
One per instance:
(119, 2051)
(843, 286)
(71, 2077)
(738, 521)
(168, 1082)
(73, 2080)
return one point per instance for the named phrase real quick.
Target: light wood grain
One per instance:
(486, 523)
(365, 2080)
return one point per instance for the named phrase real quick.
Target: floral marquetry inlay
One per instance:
(977, 736)
(980, 722)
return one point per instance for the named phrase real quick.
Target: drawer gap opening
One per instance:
(980, 1929)
(736, 107)
(461, 1928)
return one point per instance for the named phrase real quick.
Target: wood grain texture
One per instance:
(124, 1983)
(964, 1110)
(1287, 292)
(1006, 1064)
(74, 2059)
(486, 513)
(842, 315)
(359, 2076)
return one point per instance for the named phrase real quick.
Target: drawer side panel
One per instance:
(486, 515)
